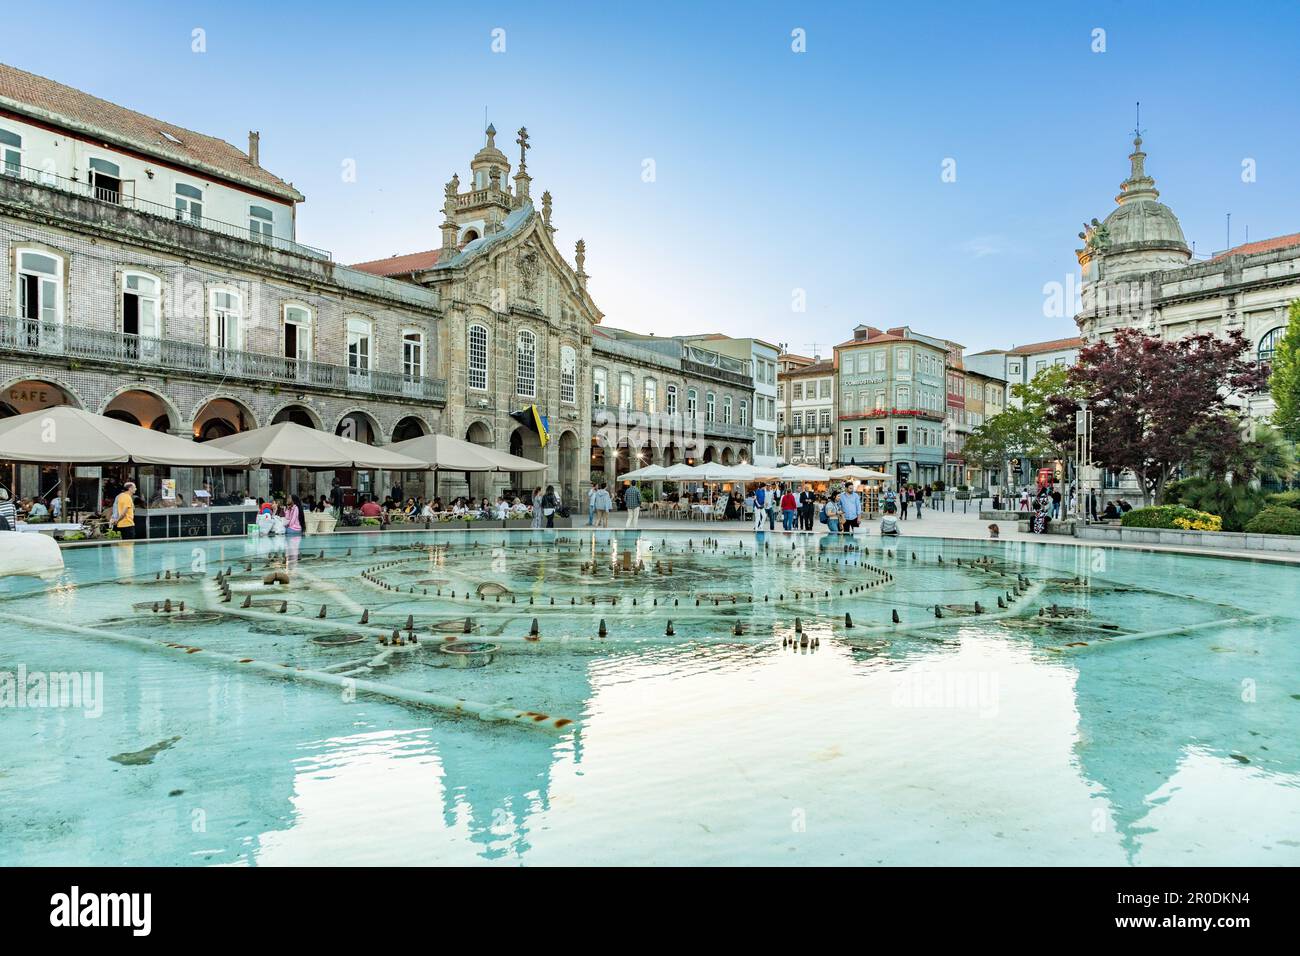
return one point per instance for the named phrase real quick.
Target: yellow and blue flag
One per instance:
(533, 419)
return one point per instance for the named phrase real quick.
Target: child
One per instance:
(993, 531)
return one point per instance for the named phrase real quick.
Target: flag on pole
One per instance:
(532, 419)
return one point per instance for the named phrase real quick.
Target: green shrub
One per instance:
(1275, 520)
(1235, 503)
(1284, 499)
(370, 522)
(74, 536)
(1173, 517)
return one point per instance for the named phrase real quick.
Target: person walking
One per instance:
(832, 509)
(123, 518)
(537, 509)
(851, 508)
(591, 505)
(632, 501)
(807, 505)
(550, 505)
(604, 503)
(903, 498)
(920, 504)
(760, 506)
(789, 508)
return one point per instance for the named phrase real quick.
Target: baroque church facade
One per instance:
(516, 325)
(1139, 272)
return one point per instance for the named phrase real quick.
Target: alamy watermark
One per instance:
(81, 690)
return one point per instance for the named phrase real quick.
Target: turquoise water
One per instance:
(1151, 719)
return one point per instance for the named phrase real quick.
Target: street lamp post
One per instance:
(1084, 470)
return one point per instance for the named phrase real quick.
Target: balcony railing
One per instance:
(124, 199)
(170, 356)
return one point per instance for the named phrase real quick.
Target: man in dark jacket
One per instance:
(807, 505)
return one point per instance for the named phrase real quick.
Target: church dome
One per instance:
(1140, 234)
(1148, 223)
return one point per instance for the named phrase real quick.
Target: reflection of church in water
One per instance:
(1134, 735)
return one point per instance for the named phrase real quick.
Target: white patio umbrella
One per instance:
(288, 443)
(795, 473)
(445, 453)
(682, 472)
(859, 473)
(646, 473)
(67, 435)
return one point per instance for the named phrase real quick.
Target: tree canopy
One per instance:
(1160, 405)
(1284, 383)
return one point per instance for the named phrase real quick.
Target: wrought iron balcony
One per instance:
(122, 198)
(31, 337)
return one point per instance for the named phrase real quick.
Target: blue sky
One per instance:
(775, 171)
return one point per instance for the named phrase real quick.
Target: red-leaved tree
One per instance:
(1159, 405)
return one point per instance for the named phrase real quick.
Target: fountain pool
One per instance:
(651, 697)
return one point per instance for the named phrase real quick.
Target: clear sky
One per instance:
(774, 171)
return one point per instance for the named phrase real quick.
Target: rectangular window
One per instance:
(11, 153)
(879, 360)
(224, 331)
(358, 347)
(599, 387)
(651, 396)
(478, 357)
(692, 404)
(847, 436)
(797, 421)
(568, 374)
(189, 203)
(261, 223)
(880, 434)
(672, 400)
(744, 411)
(526, 364)
(412, 355)
(710, 403)
(903, 359)
(901, 437)
(862, 436)
(797, 392)
(625, 390)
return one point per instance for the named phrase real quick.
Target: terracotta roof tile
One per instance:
(1263, 245)
(45, 100)
(1055, 345)
(400, 265)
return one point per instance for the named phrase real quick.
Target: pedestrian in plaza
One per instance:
(789, 508)
(832, 510)
(293, 516)
(591, 505)
(538, 517)
(632, 501)
(123, 517)
(760, 505)
(919, 497)
(8, 514)
(604, 503)
(851, 507)
(1056, 503)
(903, 502)
(807, 505)
(550, 505)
